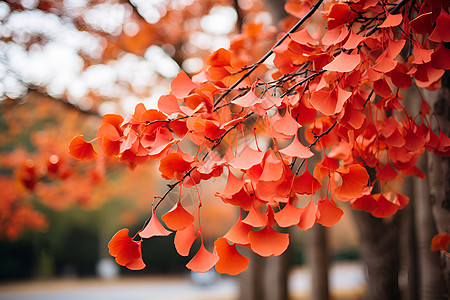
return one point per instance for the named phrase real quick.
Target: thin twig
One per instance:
(270, 52)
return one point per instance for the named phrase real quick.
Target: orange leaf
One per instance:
(273, 167)
(309, 216)
(303, 37)
(203, 261)
(366, 202)
(288, 216)
(296, 149)
(268, 242)
(385, 207)
(391, 20)
(233, 186)
(154, 228)
(247, 159)
(178, 218)
(329, 213)
(255, 218)
(306, 184)
(344, 62)
(353, 40)
(126, 251)
(329, 102)
(248, 100)
(184, 239)
(440, 242)
(168, 104)
(387, 172)
(80, 149)
(220, 58)
(182, 85)
(238, 234)
(354, 180)
(286, 125)
(230, 260)
(173, 166)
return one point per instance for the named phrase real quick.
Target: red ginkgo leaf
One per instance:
(308, 216)
(203, 261)
(178, 218)
(255, 218)
(248, 158)
(423, 23)
(126, 251)
(273, 167)
(400, 200)
(385, 207)
(173, 166)
(286, 125)
(168, 104)
(268, 242)
(306, 184)
(329, 213)
(288, 216)
(330, 102)
(353, 40)
(441, 32)
(154, 228)
(184, 239)
(344, 62)
(80, 149)
(365, 202)
(391, 20)
(387, 172)
(230, 260)
(354, 181)
(297, 149)
(303, 37)
(182, 85)
(440, 59)
(248, 100)
(238, 234)
(440, 242)
(233, 186)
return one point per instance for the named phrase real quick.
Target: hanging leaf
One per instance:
(230, 260)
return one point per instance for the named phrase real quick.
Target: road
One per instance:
(345, 279)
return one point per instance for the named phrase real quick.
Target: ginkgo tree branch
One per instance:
(270, 52)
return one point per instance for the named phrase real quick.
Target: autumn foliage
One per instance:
(333, 91)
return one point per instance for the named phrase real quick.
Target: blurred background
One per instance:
(65, 63)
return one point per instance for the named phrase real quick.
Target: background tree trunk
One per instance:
(379, 248)
(439, 173)
(318, 262)
(266, 278)
(430, 279)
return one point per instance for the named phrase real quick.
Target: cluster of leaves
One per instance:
(338, 89)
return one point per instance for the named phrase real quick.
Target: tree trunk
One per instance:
(439, 174)
(266, 278)
(430, 280)
(409, 270)
(379, 247)
(318, 262)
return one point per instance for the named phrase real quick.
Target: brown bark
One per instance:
(379, 249)
(318, 262)
(266, 278)
(439, 174)
(430, 280)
